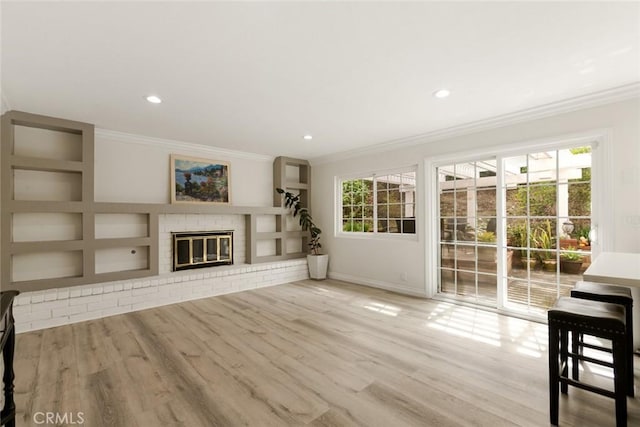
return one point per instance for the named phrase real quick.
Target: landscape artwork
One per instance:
(196, 180)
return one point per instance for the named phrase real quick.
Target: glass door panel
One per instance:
(225, 249)
(548, 198)
(468, 252)
(546, 218)
(198, 250)
(212, 249)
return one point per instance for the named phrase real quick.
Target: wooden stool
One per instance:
(615, 295)
(599, 319)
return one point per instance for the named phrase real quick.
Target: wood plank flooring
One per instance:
(309, 353)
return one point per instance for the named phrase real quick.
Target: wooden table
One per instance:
(7, 343)
(618, 268)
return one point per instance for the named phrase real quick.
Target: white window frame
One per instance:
(602, 197)
(376, 234)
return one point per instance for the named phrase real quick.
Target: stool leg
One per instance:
(564, 360)
(630, 369)
(575, 346)
(620, 358)
(580, 341)
(8, 377)
(554, 395)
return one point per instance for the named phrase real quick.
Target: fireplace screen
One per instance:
(202, 249)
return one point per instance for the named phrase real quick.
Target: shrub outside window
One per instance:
(379, 204)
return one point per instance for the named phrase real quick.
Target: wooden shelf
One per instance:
(51, 245)
(29, 206)
(122, 242)
(296, 186)
(269, 235)
(49, 165)
(166, 208)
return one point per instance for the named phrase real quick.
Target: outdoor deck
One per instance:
(542, 293)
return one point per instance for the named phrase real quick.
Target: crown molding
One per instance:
(595, 99)
(178, 146)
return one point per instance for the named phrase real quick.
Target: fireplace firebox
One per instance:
(199, 249)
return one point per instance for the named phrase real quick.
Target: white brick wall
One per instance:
(55, 307)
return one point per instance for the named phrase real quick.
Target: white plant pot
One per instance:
(318, 265)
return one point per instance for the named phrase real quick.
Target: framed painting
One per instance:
(195, 180)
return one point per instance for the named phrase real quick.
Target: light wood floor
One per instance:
(318, 353)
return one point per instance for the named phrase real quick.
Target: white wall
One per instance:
(135, 169)
(4, 107)
(383, 262)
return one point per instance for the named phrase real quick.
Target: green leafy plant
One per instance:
(292, 202)
(517, 235)
(486, 237)
(583, 236)
(356, 226)
(544, 240)
(572, 255)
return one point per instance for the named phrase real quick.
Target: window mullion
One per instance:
(374, 189)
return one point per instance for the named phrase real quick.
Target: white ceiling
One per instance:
(256, 77)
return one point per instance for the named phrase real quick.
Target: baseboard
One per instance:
(376, 284)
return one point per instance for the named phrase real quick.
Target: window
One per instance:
(379, 203)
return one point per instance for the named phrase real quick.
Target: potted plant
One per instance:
(487, 253)
(544, 240)
(571, 262)
(584, 241)
(517, 237)
(523, 240)
(317, 262)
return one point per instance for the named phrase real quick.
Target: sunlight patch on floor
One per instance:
(388, 309)
(490, 328)
(466, 322)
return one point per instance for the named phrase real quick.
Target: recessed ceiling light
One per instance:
(154, 99)
(442, 93)
(308, 137)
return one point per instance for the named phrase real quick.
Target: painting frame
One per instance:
(196, 180)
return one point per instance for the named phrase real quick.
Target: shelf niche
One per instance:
(47, 195)
(45, 227)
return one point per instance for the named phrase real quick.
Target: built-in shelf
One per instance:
(51, 245)
(49, 165)
(122, 242)
(296, 186)
(285, 240)
(56, 235)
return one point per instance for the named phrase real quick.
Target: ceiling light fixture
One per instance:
(442, 93)
(154, 99)
(308, 137)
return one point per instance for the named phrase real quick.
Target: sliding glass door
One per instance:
(467, 229)
(514, 231)
(548, 224)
